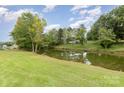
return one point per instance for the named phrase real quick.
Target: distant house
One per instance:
(74, 42)
(14, 46)
(4, 47)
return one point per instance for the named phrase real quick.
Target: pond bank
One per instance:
(110, 51)
(109, 61)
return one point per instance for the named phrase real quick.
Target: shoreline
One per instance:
(102, 51)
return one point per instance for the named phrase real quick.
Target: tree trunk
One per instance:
(33, 47)
(36, 46)
(39, 48)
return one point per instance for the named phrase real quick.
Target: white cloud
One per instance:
(94, 12)
(83, 12)
(87, 21)
(13, 15)
(53, 26)
(78, 7)
(49, 8)
(8, 15)
(3, 10)
(77, 24)
(87, 17)
(71, 19)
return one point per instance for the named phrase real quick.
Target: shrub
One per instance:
(106, 37)
(106, 43)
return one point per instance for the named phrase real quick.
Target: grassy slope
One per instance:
(18, 68)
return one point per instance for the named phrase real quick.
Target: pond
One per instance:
(103, 60)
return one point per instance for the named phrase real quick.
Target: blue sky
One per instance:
(56, 16)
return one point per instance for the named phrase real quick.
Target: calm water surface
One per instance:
(102, 60)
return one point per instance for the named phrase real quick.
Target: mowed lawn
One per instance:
(19, 68)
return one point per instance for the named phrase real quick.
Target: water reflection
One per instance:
(85, 59)
(97, 59)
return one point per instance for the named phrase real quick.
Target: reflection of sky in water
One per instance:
(76, 56)
(97, 59)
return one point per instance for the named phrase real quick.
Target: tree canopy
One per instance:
(28, 30)
(113, 20)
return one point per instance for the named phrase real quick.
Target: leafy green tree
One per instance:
(69, 35)
(93, 34)
(65, 35)
(51, 37)
(20, 31)
(60, 36)
(113, 20)
(28, 30)
(106, 37)
(81, 36)
(117, 17)
(35, 32)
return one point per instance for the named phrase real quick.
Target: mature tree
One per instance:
(51, 37)
(65, 35)
(27, 32)
(60, 36)
(93, 34)
(68, 34)
(35, 32)
(81, 36)
(113, 20)
(117, 21)
(106, 37)
(20, 31)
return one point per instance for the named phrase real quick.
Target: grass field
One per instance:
(92, 46)
(19, 68)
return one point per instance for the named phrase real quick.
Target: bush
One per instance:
(106, 37)
(106, 43)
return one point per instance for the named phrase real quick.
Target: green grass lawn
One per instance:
(92, 46)
(19, 68)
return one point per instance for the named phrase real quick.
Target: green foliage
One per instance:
(28, 30)
(93, 34)
(51, 38)
(7, 43)
(20, 31)
(113, 20)
(69, 35)
(106, 37)
(35, 32)
(60, 36)
(64, 36)
(81, 36)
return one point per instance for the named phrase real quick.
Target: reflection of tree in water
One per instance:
(97, 59)
(85, 59)
(75, 56)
